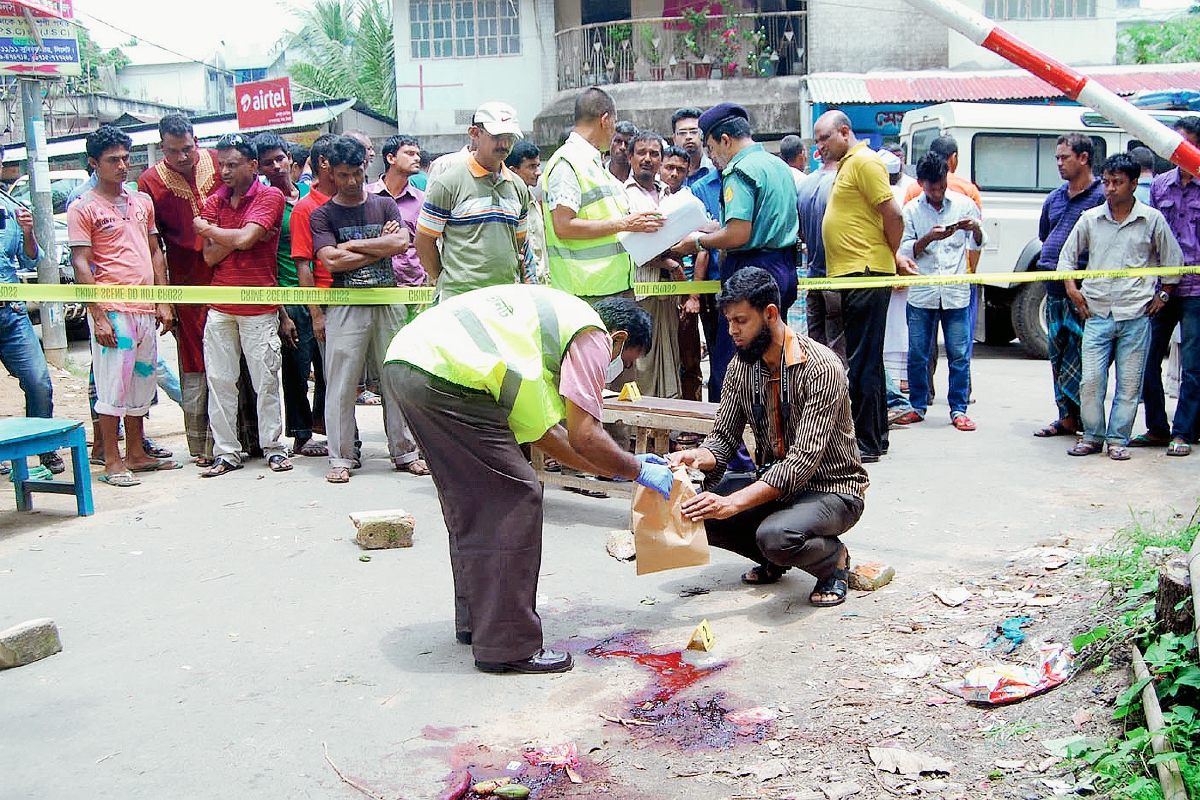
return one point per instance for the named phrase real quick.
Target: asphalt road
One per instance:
(217, 633)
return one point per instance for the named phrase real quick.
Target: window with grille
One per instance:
(464, 28)
(1040, 9)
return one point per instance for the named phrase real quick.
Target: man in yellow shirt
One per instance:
(861, 231)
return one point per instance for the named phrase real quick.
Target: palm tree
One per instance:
(346, 49)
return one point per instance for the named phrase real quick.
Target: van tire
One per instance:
(1029, 319)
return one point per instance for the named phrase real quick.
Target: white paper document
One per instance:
(683, 213)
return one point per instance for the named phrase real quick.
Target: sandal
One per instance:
(1118, 453)
(311, 449)
(1086, 448)
(279, 463)
(368, 398)
(220, 467)
(550, 465)
(158, 466)
(121, 479)
(963, 423)
(154, 451)
(836, 584)
(763, 574)
(417, 467)
(1178, 447)
(204, 462)
(338, 475)
(1146, 440)
(1055, 428)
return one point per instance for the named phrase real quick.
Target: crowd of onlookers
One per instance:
(259, 211)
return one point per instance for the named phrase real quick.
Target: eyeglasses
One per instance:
(688, 132)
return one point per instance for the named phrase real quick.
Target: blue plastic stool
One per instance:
(21, 437)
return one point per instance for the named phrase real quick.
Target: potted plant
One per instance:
(757, 61)
(695, 41)
(727, 46)
(650, 49)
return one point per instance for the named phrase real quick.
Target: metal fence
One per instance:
(678, 48)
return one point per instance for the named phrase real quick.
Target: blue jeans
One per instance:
(895, 398)
(21, 353)
(1185, 312)
(1107, 341)
(922, 338)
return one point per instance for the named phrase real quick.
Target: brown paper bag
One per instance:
(663, 537)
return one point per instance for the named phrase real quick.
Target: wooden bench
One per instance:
(21, 437)
(652, 420)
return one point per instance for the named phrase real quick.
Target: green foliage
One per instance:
(1172, 42)
(346, 50)
(92, 60)
(1125, 766)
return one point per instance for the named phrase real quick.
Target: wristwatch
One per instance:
(1164, 295)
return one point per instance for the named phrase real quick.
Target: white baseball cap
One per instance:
(497, 119)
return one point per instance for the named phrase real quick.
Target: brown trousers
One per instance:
(801, 533)
(492, 503)
(691, 377)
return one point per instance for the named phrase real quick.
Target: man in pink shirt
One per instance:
(403, 157)
(114, 241)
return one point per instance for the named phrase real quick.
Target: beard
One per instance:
(754, 351)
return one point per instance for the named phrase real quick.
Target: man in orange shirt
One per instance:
(179, 184)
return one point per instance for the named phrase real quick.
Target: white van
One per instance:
(1008, 152)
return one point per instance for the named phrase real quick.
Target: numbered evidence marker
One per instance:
(630, 392)
(702, 637)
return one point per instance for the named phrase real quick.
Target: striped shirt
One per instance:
(482, 219)
(814, 449)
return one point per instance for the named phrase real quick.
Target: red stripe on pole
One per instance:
(1053, 72)
(1187, 156)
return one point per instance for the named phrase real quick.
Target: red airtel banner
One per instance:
(261, 104)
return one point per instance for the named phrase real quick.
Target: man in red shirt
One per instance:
(179, 185)
(309, 271)
(240, 225)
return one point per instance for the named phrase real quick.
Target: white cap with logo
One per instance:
(497, 119)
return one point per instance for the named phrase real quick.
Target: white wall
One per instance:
(1079, 42)
(462, 85)
(180, 85)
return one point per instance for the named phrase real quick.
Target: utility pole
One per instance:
(54, 331)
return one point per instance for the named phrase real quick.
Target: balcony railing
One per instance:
(672, 48)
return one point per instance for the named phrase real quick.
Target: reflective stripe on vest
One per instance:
(510, 386)
(588, 267)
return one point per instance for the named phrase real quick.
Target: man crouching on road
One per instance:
(809, 485)
(480, 374)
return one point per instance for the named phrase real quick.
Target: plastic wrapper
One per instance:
(1007, 683)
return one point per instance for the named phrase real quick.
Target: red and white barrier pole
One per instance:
(986, 33)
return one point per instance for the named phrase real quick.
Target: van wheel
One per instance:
(997, 316)
(1029, 319)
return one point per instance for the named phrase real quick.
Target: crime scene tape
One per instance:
(234, 295)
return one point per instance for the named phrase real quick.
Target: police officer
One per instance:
(479, 375)
(759, 224)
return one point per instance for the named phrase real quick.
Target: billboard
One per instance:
(262, 104)
(37, 41)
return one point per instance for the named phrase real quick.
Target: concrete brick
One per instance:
(380, 530)
(28, 642)
(870, 576)
(619, 545)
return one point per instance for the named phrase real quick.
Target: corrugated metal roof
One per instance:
(941, 86)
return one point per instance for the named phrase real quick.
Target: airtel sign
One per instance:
(262, 104)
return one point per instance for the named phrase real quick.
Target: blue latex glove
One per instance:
(651, 458)
(658, 477)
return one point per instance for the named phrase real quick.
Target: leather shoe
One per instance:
(543, 661)
(463, 637)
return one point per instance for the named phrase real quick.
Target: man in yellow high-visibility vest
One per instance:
(479, 375)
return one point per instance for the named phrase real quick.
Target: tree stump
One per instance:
(1173, 603)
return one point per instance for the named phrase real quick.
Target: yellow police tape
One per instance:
(233, 295)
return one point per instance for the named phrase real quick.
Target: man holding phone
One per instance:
(940, 228)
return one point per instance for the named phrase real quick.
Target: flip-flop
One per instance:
(1055, 428)
(154, 451)
(313, 450)
(158, 466)
(338, 475)
(368, 398)
(417, 467)
(279, 463)
(1146, 440)
(1177, 448)
(763, 574)
(122, 479)
(220, 468)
